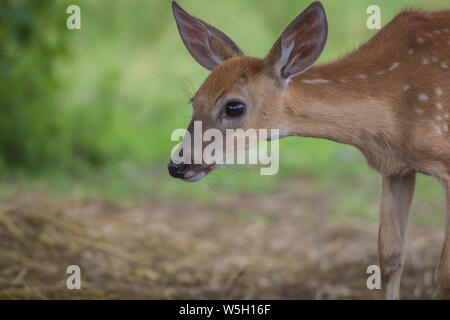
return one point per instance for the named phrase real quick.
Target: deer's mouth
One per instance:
(192, 175)
(189, 172)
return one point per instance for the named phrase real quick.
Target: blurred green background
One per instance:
(89, 113)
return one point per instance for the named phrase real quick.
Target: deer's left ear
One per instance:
(300, 44)
(208, 45)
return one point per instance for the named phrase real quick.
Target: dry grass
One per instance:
(159, 250)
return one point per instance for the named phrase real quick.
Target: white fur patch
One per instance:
(422, 97)
(394, 66)
(316, 81)
(437, 129)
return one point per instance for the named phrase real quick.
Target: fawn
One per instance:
(389, 98)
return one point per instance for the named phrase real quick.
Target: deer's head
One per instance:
(243, 92)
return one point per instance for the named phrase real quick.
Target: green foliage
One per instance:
(32, 39)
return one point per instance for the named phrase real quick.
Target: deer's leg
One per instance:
(442, 276)
(395, 204)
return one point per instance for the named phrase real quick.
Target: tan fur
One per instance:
(361, 100)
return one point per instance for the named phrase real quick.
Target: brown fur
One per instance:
(362, 102)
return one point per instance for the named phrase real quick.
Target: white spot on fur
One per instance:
(437, 32)
(437, 129)
(361, 76)
(438, 91)
(316, 81)
(429, 35)
(410, 51)
(420, 40)
(406, 87)
(445, 30)
(425, 61)
(395, 65)
(343, 80)
(422, 97)
(444, 65)
(439, 105)
(445, 128)
(446, 115)
(379, 73)
(438, 118)
(419, 111)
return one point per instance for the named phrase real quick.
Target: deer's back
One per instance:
(410, 59)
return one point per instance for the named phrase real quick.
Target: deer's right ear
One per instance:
(208, 45)
(300, 44)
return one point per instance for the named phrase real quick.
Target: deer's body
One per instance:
(390, 99)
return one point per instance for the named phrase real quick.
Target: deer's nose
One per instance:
(177, 170)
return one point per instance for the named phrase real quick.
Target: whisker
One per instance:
(211, 189)
(236, 170)
(187, 86)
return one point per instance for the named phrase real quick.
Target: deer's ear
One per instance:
(208, 45)
(300, 44)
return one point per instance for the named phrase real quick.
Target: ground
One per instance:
(174, 250)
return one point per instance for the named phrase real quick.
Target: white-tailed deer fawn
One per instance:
(390, 99)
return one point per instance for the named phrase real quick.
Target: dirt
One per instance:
(254, 247)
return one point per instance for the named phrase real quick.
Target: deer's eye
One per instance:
(234, 109)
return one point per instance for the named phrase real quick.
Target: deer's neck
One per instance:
(344, 107)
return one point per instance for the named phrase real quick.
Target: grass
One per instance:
(161, 250)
